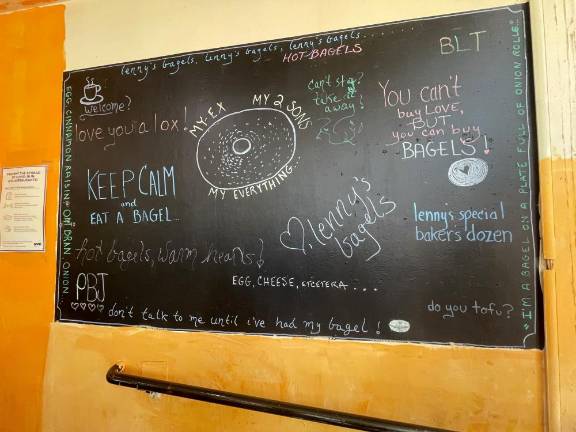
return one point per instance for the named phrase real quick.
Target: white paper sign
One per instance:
(22, 209)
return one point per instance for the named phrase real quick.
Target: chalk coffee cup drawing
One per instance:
(91, 93)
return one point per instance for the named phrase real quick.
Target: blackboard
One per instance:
(371, 183)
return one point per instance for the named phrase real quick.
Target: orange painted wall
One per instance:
(31, 65)
(462, 389)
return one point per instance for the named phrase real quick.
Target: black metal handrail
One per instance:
(336, 418)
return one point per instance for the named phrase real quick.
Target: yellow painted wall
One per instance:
(468, 389)
(554, 32)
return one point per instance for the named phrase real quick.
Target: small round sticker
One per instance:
(399, 326)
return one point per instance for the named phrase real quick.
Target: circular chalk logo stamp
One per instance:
(468, 172)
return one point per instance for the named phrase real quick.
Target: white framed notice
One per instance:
(22, 209)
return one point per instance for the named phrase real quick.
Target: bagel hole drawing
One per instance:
(241, 146)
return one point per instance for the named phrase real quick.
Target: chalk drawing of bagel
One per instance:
(468, 172)
(245, 148)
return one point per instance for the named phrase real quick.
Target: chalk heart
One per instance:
(465, 170)
(100, 307)
(486, 151)
(91, 307)
(74, 305)
(260, 262)
(293, 237)
(83, 306)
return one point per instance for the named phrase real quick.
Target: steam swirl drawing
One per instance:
(245, 148)
(468, 172)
